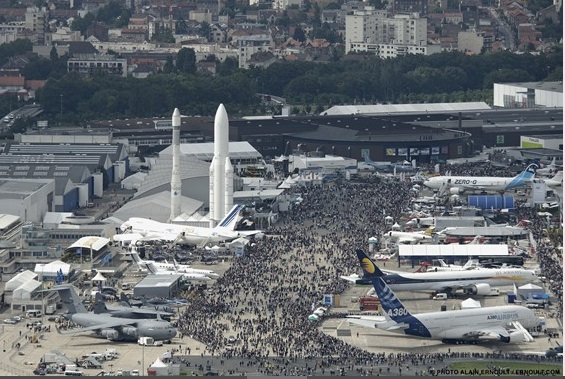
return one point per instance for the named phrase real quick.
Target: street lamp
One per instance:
(61, 98)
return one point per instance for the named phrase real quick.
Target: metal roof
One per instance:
(94, 242)
(7, 220)
(451, 250)
(405, 108)
(205, 151)
(159, 280)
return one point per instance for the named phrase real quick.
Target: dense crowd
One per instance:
(264, 299)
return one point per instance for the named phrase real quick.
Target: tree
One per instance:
(169, 67)
(299, 34)
(186, 61)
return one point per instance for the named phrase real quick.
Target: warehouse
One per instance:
(160, 286)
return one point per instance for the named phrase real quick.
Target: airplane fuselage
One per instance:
(439, 281)
(467, 182)
(131, 329)
(457, 325)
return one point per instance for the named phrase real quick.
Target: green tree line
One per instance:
(445, 77)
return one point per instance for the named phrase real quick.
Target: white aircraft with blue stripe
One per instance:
(457, 185)
(143, 229)
(505, 324)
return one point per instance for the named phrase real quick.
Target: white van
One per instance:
(33, 313)
(440, 296)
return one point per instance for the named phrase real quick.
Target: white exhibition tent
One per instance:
(51, 269)
(470, 303)
(19, 279)
(25, 291)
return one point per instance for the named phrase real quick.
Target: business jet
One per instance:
(192, 276)
(107, 326)
(390, 167)
(475, 282)
(173, 267)
(507, 324)
(140, 229)
(549, 170)
(556, 181)
(457, 185)
(410, 237)
(471, 264)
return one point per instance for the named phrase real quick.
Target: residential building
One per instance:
(249, 45)
(88, 66)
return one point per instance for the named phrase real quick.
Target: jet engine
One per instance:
(480, 289)
(130, 331)
(110, 334)
(456, 191)
(514, 337)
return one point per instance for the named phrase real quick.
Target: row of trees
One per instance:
(441, 77)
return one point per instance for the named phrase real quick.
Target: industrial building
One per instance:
(159, 286)
(528, 95)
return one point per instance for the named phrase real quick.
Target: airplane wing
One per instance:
(490, 333)
(365, 321)
(406, 239)
(106, 325)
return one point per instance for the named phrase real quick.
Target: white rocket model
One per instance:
(175, 179)
(221, 170)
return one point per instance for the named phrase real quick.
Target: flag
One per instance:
(60, 277)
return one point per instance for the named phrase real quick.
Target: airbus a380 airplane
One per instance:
(460, 184)
(142, 229)
(476, 282)
(495, 324)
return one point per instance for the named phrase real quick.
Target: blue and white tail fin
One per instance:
(230, 220)
(393, 309)
(151, 268)
(524, 177)
(70, 298)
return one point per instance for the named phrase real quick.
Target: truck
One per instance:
(369, 303)
(50, 309)
(146, 341)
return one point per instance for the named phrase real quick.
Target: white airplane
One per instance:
(505, 324)
(457, 185)
(470, 265)
(476, 282)
(140, 229)
(199, 277)
(173, 267)
(549, 170)
(422, 221)
(556, 181)
(410, 237)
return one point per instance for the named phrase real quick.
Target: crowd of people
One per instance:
(259, 308)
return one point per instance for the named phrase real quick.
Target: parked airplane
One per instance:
(556, 181)
(476, 282)
(123, 309)
(493, 324)
(199, 277)
(410, 237)
(108, 326)
(459, 184)
(470, 265)
(390, 167)
(549, 170)
(174, 267)
(136, 229)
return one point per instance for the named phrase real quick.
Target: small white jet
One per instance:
(173, 267)
(556, 181)
(507, 324)
(192, 276)
(443, 266)
(457, 185)
(142, 229)
(549, 170)
(410, 237)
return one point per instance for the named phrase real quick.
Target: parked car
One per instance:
(10, 321)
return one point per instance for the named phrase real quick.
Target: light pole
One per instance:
(61, 98)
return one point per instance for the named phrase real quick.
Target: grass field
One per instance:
(503, 368)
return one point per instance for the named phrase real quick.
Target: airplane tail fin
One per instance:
(429, 231)
(393, 309)
(558, 176)
(524, 177)
(367, 160)
(70, 298)
(151, 268)
(99, 305)
(230, 220)
(370, 269)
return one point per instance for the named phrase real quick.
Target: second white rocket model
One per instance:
(221, 169)
(176, 179)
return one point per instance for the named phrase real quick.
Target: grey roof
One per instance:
(544, 86)
(76, 173)
(156, 207)
(405, 108)
(205, 151)
(20, 188)
(158, 280)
